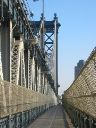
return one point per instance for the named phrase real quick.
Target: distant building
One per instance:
(78, 68)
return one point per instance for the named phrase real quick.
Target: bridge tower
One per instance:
(28, 58)
(49, 44)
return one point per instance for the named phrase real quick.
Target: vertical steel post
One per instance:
(56, 53)
(1, 72)
(43, 26)
(1, 9)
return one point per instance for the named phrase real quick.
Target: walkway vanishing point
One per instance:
(29, 74)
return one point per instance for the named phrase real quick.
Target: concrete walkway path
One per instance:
(53, 118)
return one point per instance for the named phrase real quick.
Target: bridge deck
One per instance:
(53, 118)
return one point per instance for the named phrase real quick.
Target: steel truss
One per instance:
(50, 47)
(18, 64)
(15, 12)
(29, 89)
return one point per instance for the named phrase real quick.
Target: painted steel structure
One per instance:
(80, 98)
(50, 46)
(27, 86)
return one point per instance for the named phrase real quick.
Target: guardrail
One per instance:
(15, 99)
(81, 95)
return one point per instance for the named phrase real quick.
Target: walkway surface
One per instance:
(53, 118)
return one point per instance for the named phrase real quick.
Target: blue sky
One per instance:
(77, 34)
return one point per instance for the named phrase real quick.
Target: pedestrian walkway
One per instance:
(53, 118)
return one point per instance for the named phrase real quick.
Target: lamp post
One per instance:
(42, 28)
(43, 23)
(42, 7)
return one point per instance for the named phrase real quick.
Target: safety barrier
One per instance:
(80, 98)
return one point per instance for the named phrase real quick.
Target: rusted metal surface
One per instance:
(82, 93)
(53, 118)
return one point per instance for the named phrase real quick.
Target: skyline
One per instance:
(77, 34)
